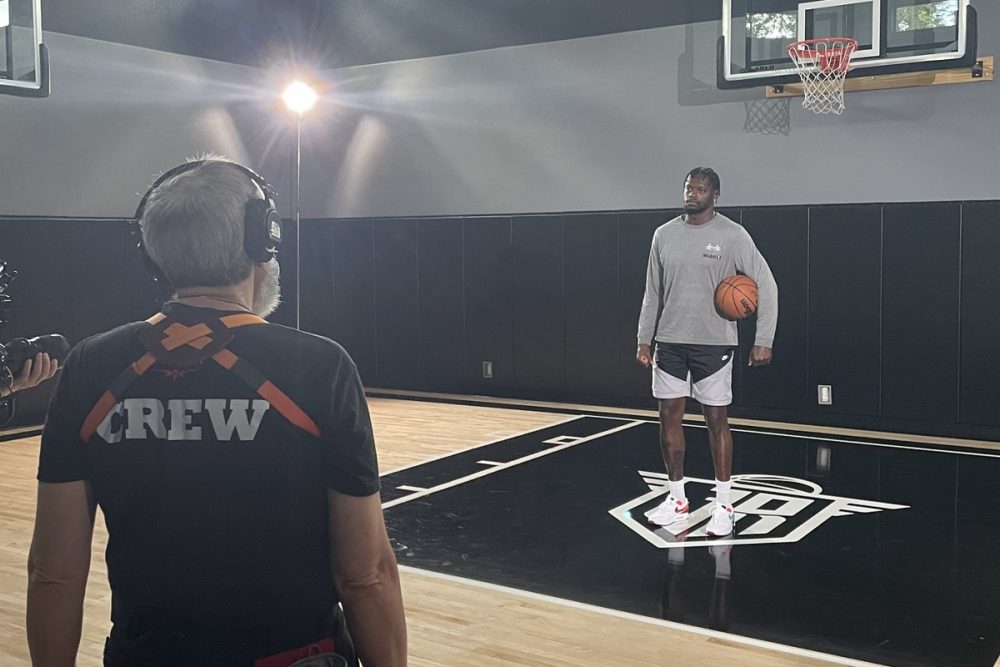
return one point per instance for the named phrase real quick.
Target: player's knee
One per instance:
(671, 410)
(716, 419)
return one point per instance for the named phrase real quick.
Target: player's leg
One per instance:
(712, 371)
(672, 444)
(720, 440)
(674, 509)
(671, 387)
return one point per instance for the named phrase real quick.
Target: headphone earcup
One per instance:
(258, 240)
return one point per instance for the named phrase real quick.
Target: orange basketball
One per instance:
(736, 297)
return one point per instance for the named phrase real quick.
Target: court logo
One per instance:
(768, 508)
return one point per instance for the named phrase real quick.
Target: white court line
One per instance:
(568, 418)
(509, 464)
(407, 487)
(649, 620)
(489, 463)
(822, 438)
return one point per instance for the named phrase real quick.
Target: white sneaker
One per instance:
(722, 520)
(669, 512)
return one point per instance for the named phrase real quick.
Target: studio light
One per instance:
(299, 97)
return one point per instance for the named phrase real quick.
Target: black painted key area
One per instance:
(873, 551)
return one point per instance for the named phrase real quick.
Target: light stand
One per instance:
(299, 98)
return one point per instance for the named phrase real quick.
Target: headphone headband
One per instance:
(262, 224)
(269, 192)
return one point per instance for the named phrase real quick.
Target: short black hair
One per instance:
(707, 173)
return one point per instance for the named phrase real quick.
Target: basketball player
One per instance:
(690, 256)
(233, 461)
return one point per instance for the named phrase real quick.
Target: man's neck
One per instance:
(218, 298)
(700, 218)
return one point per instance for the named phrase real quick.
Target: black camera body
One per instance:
(15, 352)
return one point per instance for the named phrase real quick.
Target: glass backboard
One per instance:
(893, 36)
(23, 58)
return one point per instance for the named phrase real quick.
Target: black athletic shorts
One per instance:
(704, 372)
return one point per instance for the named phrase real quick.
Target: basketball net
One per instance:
(822, 65)
(770, 115)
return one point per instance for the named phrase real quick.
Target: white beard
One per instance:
(267, 291)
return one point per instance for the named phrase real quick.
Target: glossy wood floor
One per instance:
(451, 622)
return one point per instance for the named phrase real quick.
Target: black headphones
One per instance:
(262, 224)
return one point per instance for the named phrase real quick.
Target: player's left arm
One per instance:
(58, 564)
(751, 262)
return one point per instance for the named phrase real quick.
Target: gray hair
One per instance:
(193, 224)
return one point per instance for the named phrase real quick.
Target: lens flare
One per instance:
(299, 97)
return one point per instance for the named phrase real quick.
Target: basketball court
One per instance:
(521, 540)
(518, 445)
(838, 549)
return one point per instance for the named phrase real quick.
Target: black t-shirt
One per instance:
(215, 503)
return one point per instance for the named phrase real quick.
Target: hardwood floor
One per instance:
(451, 621)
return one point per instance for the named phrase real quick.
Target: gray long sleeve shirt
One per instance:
(686, 263)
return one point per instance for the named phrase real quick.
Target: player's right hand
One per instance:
(644, 355)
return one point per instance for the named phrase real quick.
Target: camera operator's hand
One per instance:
(33, 373)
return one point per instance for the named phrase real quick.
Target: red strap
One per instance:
(315, 649)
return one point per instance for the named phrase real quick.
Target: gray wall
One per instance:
(614, 122)
(118, 115)
(601, 123)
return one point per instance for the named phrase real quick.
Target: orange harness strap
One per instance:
(174, 344)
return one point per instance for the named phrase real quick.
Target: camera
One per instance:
(15, 352)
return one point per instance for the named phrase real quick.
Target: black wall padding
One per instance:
(845, 301)
(488, 302)
(316, 275)
(354, 293)
(893, 305)
(397, 303)
(869, 303)
(539, 317)
(920, 310)
(442, 313)
(781, 234)
(590, 244)
(979, 388)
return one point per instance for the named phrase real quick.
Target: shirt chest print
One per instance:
(712, 251)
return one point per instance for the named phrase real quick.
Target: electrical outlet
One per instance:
(487, 369)
(824, 394)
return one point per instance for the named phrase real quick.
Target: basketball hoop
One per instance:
(823, 64)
